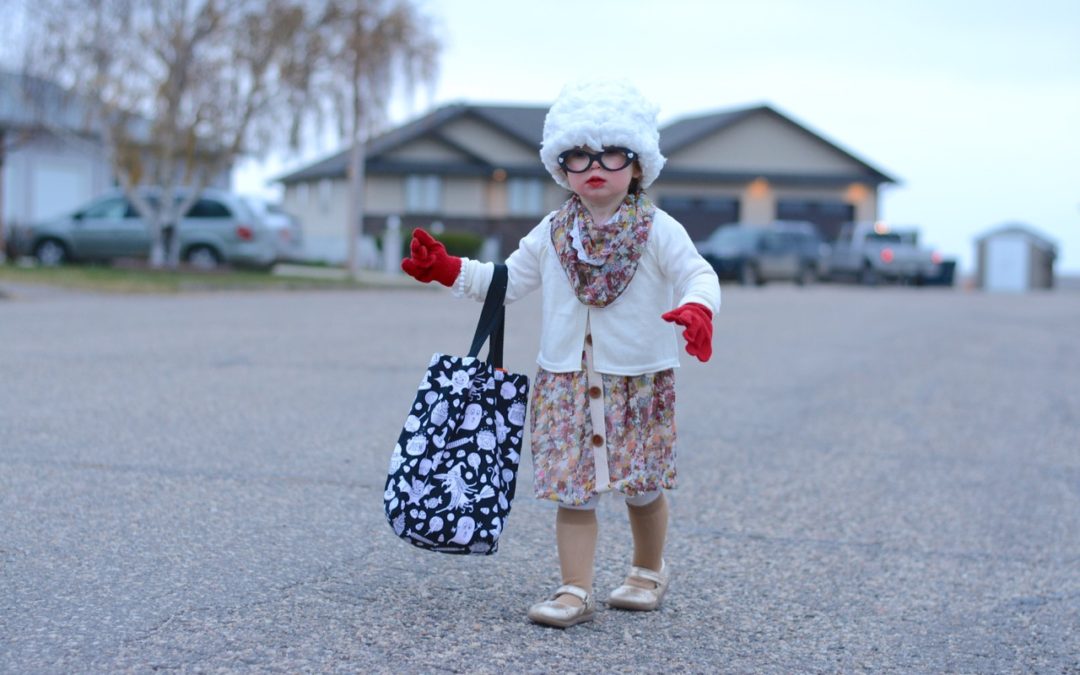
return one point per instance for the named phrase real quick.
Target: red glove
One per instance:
(697, 319)
(430, 261)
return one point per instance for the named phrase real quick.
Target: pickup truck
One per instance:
(872, 252)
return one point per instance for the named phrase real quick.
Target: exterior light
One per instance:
(856, 192)
(758, 188)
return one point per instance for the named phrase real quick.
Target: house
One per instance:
(1014, 258)
(477, 168)
(50, 162)
(52, 159)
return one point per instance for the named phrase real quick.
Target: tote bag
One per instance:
(454, 467)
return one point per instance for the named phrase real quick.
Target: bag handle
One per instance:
(492, 319)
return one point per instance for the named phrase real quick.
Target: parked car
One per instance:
(286, 229)
(873, 252)
(755, 254)
(219, 228)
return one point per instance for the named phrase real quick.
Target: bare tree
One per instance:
(180, 88)
(374, 50)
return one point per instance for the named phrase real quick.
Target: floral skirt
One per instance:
(639, 413)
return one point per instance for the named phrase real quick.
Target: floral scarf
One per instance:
(602, 261)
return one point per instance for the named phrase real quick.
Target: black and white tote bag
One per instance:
(454, 467)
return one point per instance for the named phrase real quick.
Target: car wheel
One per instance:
(867, 275)
(51, 252)
(806, 275)
(203, 258)
(748, 275)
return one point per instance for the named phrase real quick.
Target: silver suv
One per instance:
(780, 251)
(220, 228)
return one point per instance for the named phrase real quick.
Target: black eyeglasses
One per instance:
(610, 158)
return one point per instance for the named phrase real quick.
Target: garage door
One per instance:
(701, 215)
(827, 214)
(58, 186)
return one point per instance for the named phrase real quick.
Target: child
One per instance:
(611, 267)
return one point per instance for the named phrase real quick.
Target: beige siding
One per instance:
(762, 143)
(491, 144)
(328, 208)
(426, 150)
(758, 203)
(385, 194)
(496, 199)
(465, 197)
(865, 200)
(321, 211)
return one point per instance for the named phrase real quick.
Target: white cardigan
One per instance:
(629, 337)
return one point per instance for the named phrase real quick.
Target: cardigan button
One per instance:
(595, 392)
(597, 440)
(588, 339)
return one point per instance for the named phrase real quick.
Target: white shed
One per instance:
(1013, 259)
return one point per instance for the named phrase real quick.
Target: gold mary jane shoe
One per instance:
(637, 598)
(552, 613)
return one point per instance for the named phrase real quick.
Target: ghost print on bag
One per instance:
(452, 474)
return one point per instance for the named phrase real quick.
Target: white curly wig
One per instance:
(599, 114)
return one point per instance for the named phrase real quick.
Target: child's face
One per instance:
(600, 185)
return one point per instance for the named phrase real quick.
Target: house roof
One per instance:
(686, 131)
(1036, 238)
(526, 124)
(523, 123)
(32, 102)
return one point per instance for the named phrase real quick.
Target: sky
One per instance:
(974, 106)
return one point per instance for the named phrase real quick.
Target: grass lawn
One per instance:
(142, 280)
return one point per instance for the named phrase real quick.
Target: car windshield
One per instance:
(884, 238)
(735, 237)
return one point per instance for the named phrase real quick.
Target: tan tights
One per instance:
(576, 531)
(648, 524)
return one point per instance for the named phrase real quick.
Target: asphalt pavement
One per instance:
(871, 480)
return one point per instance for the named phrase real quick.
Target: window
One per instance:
(423, 194)
(109, 209)
(525, 196)
(208, 208)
